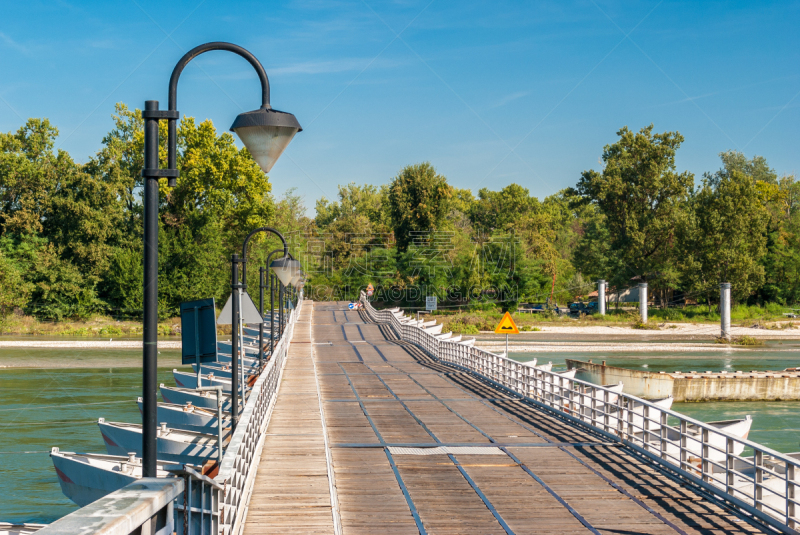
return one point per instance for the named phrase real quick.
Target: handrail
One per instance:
(762, 485)
(144, 506)
(237, 473)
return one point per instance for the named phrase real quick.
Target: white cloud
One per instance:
(510, 98)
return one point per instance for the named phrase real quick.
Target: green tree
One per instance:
(30, 172)
(782, 261)
(419, 202)
(14, 291)
(727, 235)
(643, 200)
(756, 168)
(499, 210)
(368, 201)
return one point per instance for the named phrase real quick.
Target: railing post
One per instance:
(790, 495)
(683, 452)
(704, 455)
(572, 399)
(630, 419)
(729, 460)
(758, 489)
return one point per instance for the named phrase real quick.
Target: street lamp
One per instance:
(286, 269)
(235, 288)
(265, 132)
(272, 276)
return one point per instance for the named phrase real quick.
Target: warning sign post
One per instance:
(506, 326)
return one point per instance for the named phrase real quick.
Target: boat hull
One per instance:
(222, 371)
(189, 380)
(83, 482)
(178, 417)
(181, 396)
(128, 439)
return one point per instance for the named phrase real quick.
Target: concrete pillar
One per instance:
(643, 301)
(601, 297)
(725, 310)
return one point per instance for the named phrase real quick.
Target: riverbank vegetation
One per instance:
(71, 249)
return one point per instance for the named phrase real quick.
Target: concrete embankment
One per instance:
(693, 386)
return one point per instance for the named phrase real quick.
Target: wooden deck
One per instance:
(350, 450)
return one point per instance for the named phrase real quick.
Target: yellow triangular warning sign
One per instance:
(506, 326)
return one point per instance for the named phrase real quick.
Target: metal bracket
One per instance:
(161, 114)
(161, 173)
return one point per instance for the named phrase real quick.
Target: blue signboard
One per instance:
(198, 332)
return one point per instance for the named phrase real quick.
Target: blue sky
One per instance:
(490, 92)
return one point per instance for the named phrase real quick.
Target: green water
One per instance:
(45, 407)
(776, 424)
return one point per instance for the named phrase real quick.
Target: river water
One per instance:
(58, 406)
(45, 407)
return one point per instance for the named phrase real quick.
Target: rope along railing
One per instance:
(757, 481)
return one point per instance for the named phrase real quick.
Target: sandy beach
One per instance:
(675, 331)
(86, 344)
(594, 347)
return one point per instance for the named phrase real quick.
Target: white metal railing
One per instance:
(144, 506)
(762, 484)
(237, 471)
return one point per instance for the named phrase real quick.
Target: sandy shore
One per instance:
(594, 347)
(687, 331)
(88, 344)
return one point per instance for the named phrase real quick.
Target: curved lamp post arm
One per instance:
(173, 90)
(208, 47)
(244, 249)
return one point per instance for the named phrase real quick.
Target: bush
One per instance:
(462, 328)
(740, 341)
(669, 314)
(110, 330)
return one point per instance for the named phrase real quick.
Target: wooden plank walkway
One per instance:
(365, 463)
(292, 479)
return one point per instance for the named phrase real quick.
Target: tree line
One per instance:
(636, 219)
(70, 233)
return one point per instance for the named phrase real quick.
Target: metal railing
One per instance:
(237, 471)
(144, 506)
(761, 484)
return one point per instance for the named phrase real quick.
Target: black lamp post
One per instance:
(292, 266)
(272, 278)
(265, 132)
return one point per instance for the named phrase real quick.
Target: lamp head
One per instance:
(285, 268)
(266, 133)
(298, 276)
